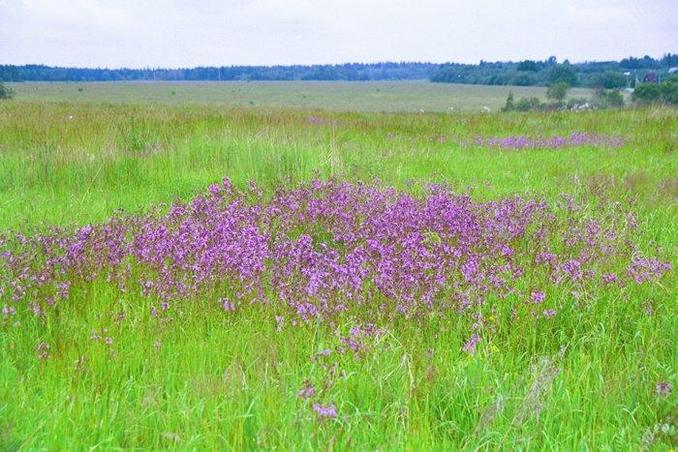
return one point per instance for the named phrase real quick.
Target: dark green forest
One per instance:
(600, 74)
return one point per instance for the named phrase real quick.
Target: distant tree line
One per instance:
(591, 74)
(347, 72)
(595, 74)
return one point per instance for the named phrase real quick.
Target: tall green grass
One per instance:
(205, 379)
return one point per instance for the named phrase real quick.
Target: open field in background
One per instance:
(111, 369)
(341, 96)
(72, 163)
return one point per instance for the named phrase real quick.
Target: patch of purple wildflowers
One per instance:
(324, 247)
(553, 142)
(325, 411)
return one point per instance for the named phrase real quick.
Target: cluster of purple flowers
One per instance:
(325, 411)
(319, 121)
(554, 142)
(326, 247)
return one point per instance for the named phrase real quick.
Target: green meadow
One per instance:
(73, 154)
(397, 96)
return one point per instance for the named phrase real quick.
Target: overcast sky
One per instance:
(181, 33)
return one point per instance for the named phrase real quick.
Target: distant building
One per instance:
(673, 69)
(650, 77)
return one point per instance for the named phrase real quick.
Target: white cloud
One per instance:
(209, 32)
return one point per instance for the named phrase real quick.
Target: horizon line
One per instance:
(114, 68)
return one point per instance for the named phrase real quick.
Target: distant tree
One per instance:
(610, 80)
(669, 60)
(5, 92)
(669, 90)
(9, 73)
(665, 92)
(610, 98)
(528, 104)
(508, 106)
(528, 66)
(524, 79)
(647, 93)
(562, 73)
(557, 91)
(646, 62)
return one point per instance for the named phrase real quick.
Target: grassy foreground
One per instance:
(102, 371)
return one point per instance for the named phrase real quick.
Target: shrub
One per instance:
(527, 104)
(562, 73)
(529, 66)
(557, 91)
(6, 92)
(669, 90)
(610, 98)
(576, 102)
(509, 105)
(524, 79)
(610, 80)
(647, 93)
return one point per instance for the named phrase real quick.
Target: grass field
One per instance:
(342, 96)
(594, 366)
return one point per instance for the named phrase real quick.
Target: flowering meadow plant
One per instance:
(329, 246)
(299, 314)
(553, 142)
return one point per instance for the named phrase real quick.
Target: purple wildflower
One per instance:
(573, 269)
(307, 390)
(324, 352)
(663, 388)
(647, 269)
(326, 247)
(549, 313)
(538, 296)
(227, 305)
(8, 311)
(471, 344)
(609, 278)
(325, 411)
(214, 189)
(554, 142)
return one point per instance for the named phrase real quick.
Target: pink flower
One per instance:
(549, 313)
(663, 388)
(227, 305)
(538, 296)
(471, 344)
(325, 411)
(609, 278)
(307, 390)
